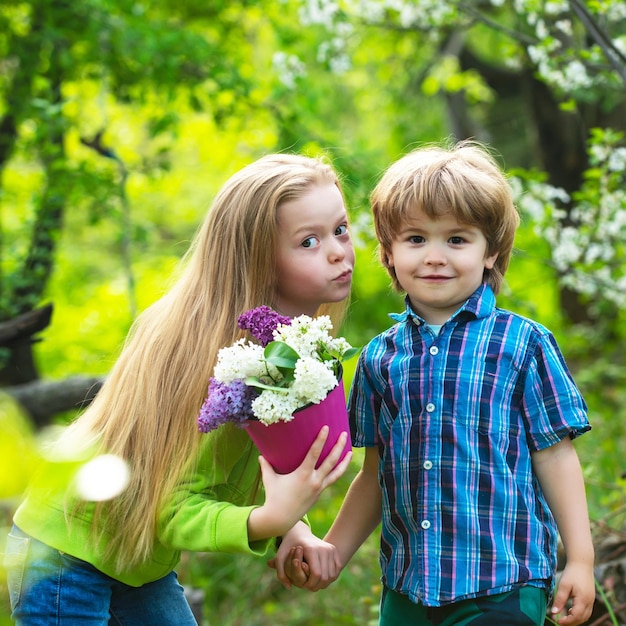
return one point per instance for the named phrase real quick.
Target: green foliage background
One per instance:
(179, 129)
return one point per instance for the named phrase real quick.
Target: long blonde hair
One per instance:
(464, 180)
(146, 411)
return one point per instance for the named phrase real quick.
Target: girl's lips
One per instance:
(344, 277)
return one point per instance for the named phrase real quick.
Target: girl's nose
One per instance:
(337, 251)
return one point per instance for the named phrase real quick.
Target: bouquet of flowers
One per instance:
(296, 363)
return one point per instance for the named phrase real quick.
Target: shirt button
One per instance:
(428, 465)
(430, 407)
(434, 350)
(425, 524)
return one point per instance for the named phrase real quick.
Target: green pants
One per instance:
(524, 606)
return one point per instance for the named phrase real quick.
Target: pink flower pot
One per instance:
(285, 444)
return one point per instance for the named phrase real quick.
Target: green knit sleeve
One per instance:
(209, 510)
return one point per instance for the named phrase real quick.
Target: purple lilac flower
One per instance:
(262, 322)
(230, 402)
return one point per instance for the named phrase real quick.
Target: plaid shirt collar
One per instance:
(480, 304)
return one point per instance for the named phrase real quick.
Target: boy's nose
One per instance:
(435, 256)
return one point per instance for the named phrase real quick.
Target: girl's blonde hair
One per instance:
(465, 181)
(146, 411)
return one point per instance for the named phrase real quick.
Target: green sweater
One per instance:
(208, 512)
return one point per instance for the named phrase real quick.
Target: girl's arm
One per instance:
(288, 497)
(558, 470)
(315, 564)
(211, 509)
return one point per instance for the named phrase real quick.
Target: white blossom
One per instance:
(275, 406)
(617, 160)
(313, 380)
(576, 75)
(564, 26)
(305, 334)
(321, 12)
(289, 68)
(556, 8)
(240, 360)
(587, 242)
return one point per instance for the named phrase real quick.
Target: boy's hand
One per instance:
(305, 561)
(577, 584)
(296, 569)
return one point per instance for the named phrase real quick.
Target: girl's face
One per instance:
(315, 257)
(439, 263)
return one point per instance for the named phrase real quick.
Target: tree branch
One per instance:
(42, 400)
(613, 54)
(25, 325)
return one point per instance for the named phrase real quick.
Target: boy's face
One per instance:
(439, 263)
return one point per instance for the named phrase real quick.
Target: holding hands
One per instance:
(305, 561)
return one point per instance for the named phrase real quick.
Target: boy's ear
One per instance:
(387, 258)
(490, 261)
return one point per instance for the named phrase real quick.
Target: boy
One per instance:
(467, 413)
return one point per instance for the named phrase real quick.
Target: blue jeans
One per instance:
(51, 588)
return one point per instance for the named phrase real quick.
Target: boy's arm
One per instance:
(360, 512)
(310, 563)
(558, 470)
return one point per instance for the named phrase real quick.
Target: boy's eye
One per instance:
(341, 230)
(416, 239)
(456, 241)
(309, 242)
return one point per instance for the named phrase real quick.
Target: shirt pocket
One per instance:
(15, 555)
(488, 399)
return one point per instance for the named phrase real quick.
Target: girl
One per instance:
(277, 234)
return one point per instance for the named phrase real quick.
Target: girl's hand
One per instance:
(305, 561)
(289, 496)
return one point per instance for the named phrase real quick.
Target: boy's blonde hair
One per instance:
(463, 180)
(146, 411)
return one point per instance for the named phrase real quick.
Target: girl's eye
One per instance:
(341, 230)
(309, 242)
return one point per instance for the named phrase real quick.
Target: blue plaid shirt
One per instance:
(455, 418)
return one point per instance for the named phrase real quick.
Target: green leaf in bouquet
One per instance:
(253, 381)
(281, 355)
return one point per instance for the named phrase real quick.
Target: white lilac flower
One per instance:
(313, 380)
(240, 360)
(275, 406)
(305, 333)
